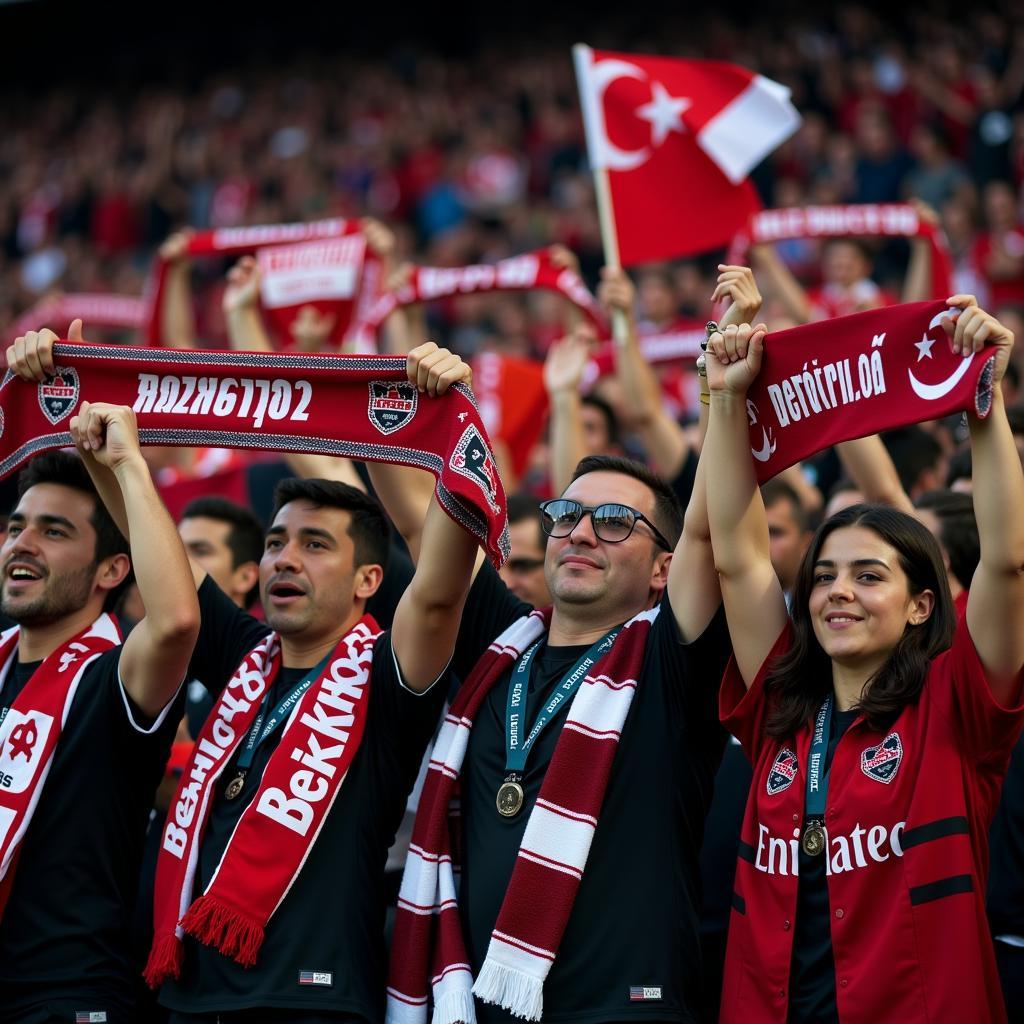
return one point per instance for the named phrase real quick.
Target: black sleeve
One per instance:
(226, 635)
(682, 483)
(411, 717)
(490, 609)
(692, 671)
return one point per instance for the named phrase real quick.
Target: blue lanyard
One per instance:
(817, 775)
(260, 731)
(517, 749)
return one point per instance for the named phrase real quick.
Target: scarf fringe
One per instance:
(455, 1008)
(519, 993)
(164, 961)
(216, 924)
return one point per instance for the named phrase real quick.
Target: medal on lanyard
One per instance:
(260, 732)
(509, 800)
(813, 840)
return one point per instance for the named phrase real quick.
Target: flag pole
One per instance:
(593, 126)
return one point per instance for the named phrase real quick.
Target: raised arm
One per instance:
(427, 618)
(995, 607)
(753, 598)
(917, 286)
(156, 654)
(177, 323)
(869, 465)
(246, 330)
(663, 438)
(563, 371)
(782, 282)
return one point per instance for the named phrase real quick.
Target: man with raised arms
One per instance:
(86, 722)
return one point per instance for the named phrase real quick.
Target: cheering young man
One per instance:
(85, 726)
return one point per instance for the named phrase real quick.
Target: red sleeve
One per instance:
(745, 712)
(987, 730)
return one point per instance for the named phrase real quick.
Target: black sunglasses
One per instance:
(613, 523)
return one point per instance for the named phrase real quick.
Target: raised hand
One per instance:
(175, 247)
(311, 329)
(738, 284)
(564, 258)
(243, 290)
(107, 433)
(434, 370)
(566, 360)
(380, 239)
(733, 358)
(616, 291)
(31, 355)
(971, 329)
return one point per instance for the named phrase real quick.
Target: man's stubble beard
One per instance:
(62, 595)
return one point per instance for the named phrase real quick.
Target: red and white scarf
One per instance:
(860, 220)
(95, 309)
(31, 730)
(428, 951)
(350, 278)
(834, 381)
(276, 832)
(518, 273)
(358, 407)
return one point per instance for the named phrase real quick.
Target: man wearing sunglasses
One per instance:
(616, 546)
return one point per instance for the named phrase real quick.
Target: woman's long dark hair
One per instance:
(799, 681)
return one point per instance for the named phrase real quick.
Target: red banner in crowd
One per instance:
(357, 407)
(824, 383)
(95, 309)
(308, 265)
(862, 220)
(518, 273)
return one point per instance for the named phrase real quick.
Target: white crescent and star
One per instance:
(933, 392)
(664, 113)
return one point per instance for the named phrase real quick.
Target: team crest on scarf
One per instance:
(58, 394)
(22, 739)
(784, 771)
(392, 404)
(473, 460)
(882, 761)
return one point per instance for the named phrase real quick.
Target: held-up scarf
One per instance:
(863, 220)
(240, 241)
(31, 729)
(428, 951)
(95, 309)
(518, 273)
(276, 832)
(358, 407)
(834, 381)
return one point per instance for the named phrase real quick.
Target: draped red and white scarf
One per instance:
(428, 955)
(31, 729)
(859, 220)
(358, 407)
(321, 263)
(837, 380)
(276, 832)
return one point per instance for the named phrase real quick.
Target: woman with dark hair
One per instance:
(879, 727)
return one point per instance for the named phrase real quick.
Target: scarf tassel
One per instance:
(519, 993)
(455, 1007)
(216, 924)
(164, 961)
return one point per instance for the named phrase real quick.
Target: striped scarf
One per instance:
(429, 951)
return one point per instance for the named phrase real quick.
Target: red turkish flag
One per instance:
(677, 139)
